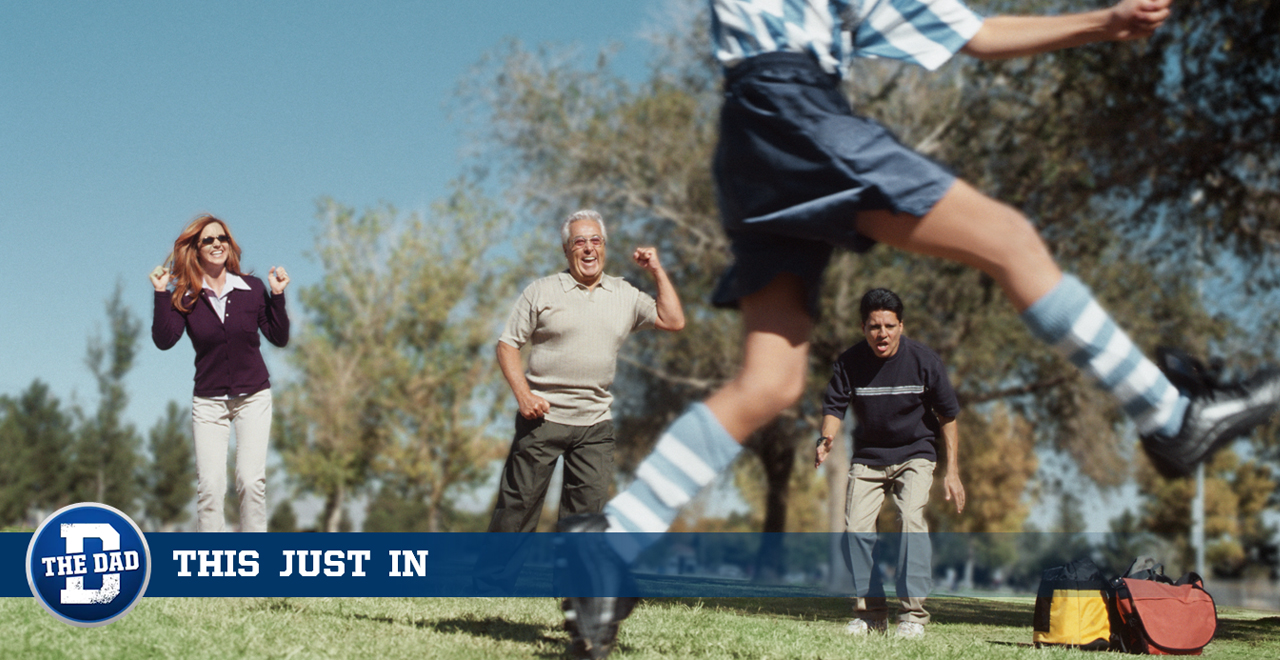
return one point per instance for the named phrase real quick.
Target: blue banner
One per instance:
(188, 564)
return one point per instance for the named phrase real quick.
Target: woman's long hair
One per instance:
(188, 276)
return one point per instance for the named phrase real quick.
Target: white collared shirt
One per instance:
(219, 301)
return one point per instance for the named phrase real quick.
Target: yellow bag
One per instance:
(1071, 608)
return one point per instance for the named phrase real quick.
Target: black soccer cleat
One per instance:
(1217, 413)
(591, 566)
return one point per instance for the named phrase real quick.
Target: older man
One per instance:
(574, 323)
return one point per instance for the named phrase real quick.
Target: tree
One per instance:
(392, 366)
(106, 458)
(441, 379)
(170, 479)
(330, 426)
(566, 135)
(996, 463)
(283, 518)
(1236, 495)
(572, 138)
(36, 438)
(1127, 541)
(1197, 210)
(1209, 85)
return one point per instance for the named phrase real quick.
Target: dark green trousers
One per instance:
(588, 471)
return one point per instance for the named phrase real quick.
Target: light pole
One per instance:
(1197, 520)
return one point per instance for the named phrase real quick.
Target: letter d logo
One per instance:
(88, 564)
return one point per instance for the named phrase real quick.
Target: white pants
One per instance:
(211, 421)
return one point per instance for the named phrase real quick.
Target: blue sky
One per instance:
(119, 122)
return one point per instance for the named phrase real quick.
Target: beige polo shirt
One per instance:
(574, 336)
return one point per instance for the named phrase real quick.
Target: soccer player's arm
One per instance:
(1002, 37)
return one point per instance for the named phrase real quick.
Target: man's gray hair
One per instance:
(584, 214)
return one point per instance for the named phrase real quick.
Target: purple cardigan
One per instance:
(228, 359)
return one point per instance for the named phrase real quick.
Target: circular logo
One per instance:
(88, 564)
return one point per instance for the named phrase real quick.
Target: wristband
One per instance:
(823, 439)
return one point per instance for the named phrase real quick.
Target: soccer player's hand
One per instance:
(1137, 19)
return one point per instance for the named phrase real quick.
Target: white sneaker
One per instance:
(862, 627)
(857, 627)
(910, 630)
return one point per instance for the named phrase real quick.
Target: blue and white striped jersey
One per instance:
(924, 32)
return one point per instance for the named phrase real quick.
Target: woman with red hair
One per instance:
(222, 309)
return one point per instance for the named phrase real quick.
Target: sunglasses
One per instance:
(208, 240)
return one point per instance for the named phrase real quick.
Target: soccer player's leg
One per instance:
(696, 448)
(704, 440)
(1178, 428)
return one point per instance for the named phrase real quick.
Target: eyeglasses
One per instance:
(579, 242)
(208, 240)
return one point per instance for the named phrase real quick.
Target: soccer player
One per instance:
(797, 171)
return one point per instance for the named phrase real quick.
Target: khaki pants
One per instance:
(908, 483)
(211, 421)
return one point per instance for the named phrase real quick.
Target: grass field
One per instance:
(498, 628)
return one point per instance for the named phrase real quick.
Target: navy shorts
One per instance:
(793, 168)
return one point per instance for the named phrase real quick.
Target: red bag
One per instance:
(1162, 617)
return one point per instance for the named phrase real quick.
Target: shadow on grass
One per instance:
(501, 629)
(957, 610)
(491, 627)
(488, 627)
(950, 610)
(1266, 629)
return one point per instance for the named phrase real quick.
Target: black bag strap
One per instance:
(1127, 628)
(1192, 578)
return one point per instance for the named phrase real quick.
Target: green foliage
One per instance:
(394, 510)
(283, 519)
(57, 456)
(36, 435)
(393, 369)
(1127, 541)
(329, 424)
(170, 479)
(1139, 186)
(106, 461)
(1236, 495)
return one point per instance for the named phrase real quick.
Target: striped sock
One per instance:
(1070, 320)
(692, 452)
